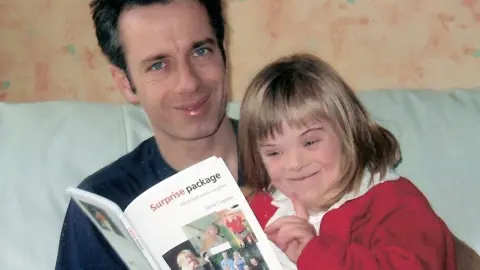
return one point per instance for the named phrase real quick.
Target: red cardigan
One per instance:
(391, 227)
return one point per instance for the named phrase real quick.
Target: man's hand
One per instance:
(292, 233)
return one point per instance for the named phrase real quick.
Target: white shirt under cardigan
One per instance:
(285, 208)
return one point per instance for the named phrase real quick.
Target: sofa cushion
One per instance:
(438, 133)
(47, 146)
(44, 148)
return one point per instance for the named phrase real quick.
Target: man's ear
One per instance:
(226, 54)
(122, 82)
(227, 73)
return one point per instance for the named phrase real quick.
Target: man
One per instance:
(227, 263)
(169, 57)
(254, 264)
(186, 260)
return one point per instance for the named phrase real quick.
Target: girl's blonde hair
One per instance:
(300, 89)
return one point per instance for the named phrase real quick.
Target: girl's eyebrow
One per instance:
(311, 130)
(266, 145)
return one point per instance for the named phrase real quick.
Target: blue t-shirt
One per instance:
(227, 263)
(81, 245)
(240, 263)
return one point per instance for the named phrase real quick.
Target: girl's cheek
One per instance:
(270, 168)
(274, 170)
(275, 176)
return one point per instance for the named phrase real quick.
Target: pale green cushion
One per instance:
(439, 137)
(45, 147)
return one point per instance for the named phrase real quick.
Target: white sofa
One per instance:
(45, 147)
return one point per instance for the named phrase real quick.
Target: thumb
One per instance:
(300, 210)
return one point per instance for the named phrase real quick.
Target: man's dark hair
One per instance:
(106, 13)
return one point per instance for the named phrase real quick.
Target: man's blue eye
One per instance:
(201, 51)
(158, 65)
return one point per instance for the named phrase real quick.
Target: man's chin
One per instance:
(208, 128)
(198, 133)
(195, 128)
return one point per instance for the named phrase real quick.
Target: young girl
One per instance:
(322, 172)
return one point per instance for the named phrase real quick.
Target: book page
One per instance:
(199, 219)
(109, 219)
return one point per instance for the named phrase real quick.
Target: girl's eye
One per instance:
(311, 142)
(272, 153)
(157, 66)
(201, 51)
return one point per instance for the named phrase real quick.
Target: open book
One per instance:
(197, 219)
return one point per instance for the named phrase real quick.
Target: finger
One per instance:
(292, 251)
(287, 245)
(281, 238)
(288, 234)
(272, 228)
(280, 243)
(294, 233)
(273, 237)
(283, 242)
(300, 210)
(300, 233)
(279, 223)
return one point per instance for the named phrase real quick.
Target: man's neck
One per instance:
(182, 154)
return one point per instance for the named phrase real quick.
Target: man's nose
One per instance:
(188, 78)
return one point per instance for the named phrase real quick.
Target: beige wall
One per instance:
(48, 50)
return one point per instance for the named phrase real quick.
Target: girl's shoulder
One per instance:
(400, 194)
(261, 204)
(402, 188)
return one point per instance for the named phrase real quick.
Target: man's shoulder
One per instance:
(129, 175)
(118, 169)
(121, 181)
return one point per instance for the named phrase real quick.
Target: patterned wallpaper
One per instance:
(48, 50)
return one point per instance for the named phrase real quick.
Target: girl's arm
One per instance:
(410, 237)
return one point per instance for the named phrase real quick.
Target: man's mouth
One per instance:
(194, 108)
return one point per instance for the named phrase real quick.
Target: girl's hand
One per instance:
(292, 233)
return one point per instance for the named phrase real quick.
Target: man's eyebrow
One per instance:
(200, 43)
(161, 56)
(153, 58)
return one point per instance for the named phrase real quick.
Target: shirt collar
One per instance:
(284, 204)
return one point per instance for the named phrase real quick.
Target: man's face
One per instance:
(192, 261)
(176, 67)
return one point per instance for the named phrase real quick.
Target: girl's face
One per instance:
(304, 161)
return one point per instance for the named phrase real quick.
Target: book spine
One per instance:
(139, 242)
